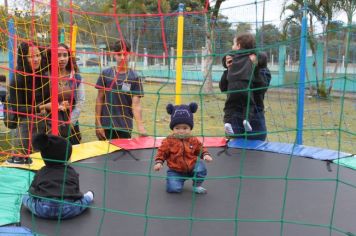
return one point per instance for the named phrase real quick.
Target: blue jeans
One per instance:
(50, 209)
(257, 122)
(175, 180)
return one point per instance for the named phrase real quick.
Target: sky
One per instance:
(245, 11)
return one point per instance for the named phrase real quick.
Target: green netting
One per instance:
(13, 184)
(329, 118)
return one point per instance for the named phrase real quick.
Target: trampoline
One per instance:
(249, 193)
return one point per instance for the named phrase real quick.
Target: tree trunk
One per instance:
(6, 7)
(328, 91)
(132, 29)
(316, 66)
(208, 59)
(347, 40)
(210, 20)
(136, 49)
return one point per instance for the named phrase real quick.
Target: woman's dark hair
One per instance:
(121, 44)
(22, 53)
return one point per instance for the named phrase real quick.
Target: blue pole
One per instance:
(11, 48)
(301, 87)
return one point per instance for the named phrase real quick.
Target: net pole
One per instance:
(301, 87)
(11, 45)
(54, 65)
(179, 62)
(73, 43)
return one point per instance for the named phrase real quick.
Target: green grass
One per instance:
(327, 123)
(321, 123)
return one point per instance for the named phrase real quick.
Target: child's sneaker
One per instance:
(247, 126)
(19, 160)
(228, 129)
(90, 194)
(200, 190)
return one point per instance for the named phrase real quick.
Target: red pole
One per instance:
(54, 65)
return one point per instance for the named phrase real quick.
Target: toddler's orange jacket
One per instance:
(181, 154)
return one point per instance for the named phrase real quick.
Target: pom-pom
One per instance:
(40, 141)
(170, 108)
(193, 107)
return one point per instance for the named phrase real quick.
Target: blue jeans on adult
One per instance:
(175, 180)
(257, 121)
(51, 209)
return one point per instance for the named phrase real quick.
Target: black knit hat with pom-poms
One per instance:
(182, 114)
(54, 150)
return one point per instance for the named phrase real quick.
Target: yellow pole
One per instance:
(73, 43)
(179, 61)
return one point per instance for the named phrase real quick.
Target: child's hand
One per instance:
(253, 58)
(158, 166)
(228, 60)
(208, 158)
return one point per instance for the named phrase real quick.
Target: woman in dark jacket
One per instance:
(29, 95)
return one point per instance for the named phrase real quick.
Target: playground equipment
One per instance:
(300, 182)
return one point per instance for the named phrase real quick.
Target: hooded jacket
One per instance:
(48, 182)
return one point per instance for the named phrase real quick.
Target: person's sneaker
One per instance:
(90, 194)
(247, 125)
(228, 129)
(19, 160)
(200, 190)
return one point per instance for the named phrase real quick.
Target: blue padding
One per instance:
(245, 144)
(288, 149)
(13, 230)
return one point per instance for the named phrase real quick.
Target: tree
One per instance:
(321, 10)
(243, 27)
(271, 36)
(349, 7)
(294, 21)
(293, 36)
(6, 7)
(4, 37)
(136, 25)
(210, 25)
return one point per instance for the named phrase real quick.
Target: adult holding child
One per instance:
(118, 102)
(245, 80)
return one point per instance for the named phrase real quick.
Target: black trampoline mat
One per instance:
(245, 197)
